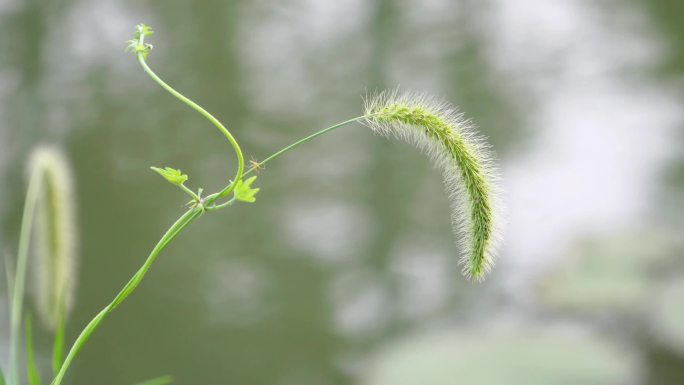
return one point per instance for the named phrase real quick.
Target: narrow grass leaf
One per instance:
(58, 346)
(32, 373)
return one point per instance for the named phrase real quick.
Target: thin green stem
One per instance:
(208, 116)
(170, 234)
(281, 152)
(303, 140)
(32, 373)
(58, 343)
(194, 196)
(32, 192)
(185, 219)
(222, 205)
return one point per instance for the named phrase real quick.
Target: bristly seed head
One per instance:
(466, 161)
(55, 230)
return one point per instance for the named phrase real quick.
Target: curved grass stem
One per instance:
(281, 152)
(209, 117)
(32, 192)
(303, 140)
(189, 216)
(180, 224)
(170, 234)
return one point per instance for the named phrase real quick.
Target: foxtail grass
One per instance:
(56, 238)
(466, 160)
(47, 220)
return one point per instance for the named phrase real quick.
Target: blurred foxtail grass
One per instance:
(48, 223)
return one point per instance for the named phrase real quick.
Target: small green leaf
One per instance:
(143, 30)
(2, 378)
(244, 192)
(172, 175)
(132, 45)
(136, 47)
(137, 44)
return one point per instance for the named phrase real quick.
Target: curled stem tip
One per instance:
(465, 159)
(138, 46)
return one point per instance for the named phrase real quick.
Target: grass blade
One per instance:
(170, 234)
(58, 345)
(32, 373)
(17, 301)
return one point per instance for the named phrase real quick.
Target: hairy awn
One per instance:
(465, 159)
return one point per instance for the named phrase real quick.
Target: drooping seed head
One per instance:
(466, 161)
(55, 234)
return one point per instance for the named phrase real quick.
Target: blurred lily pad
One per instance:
(668, 316)
(613, 274)
(514, 357)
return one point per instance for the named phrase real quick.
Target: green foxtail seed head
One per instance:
(56, 239)
(465, 159)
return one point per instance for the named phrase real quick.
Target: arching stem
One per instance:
(189, 216)
(170, 234)
(208, 116)
(17, 302)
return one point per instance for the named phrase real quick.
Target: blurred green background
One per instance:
(345, 270)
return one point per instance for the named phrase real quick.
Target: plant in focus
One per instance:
(435, 127)
(466, 161)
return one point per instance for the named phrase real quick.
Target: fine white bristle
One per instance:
(451, 141)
